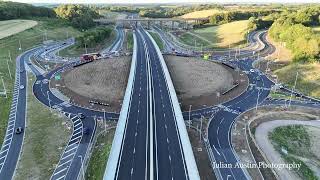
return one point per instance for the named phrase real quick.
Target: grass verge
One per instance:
(46, 136)
(129, 41)
(231, 34)
(308, 81)
(296, 140)
(76, 51)
(158, 40)
(53, 28)
(100, 154)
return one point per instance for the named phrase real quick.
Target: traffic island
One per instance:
(243, 134)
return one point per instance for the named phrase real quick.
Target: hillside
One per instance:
(11, 27)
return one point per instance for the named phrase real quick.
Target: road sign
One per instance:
(57, 77)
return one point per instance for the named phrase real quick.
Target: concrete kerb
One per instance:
(121, 125)
(187, 149)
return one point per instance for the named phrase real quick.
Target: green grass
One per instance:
(308, 81)
(233, 34)
(295, 139)
(130, 41)
(55, 29)
(158, 40)
(45, 138)
(100, 156)
(280, 95)
(191, 40)
(76, 51)
(305, 172)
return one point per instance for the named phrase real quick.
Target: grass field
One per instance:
(158, 40)
(202, 13)
(45, 138)
(296, 140)
(226, 34)
(11, 27)
(100, 154)
(308, 81)
(221, 36)
(29, 38)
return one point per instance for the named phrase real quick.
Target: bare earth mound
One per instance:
(104, 80)
(196, 81)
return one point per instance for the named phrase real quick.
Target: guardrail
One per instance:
(119, 133)
(187, 149)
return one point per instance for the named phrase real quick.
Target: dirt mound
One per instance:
(104, 79)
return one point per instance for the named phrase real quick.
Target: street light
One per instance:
(190, 115)
(49, 101)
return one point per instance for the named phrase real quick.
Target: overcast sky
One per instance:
(167, 1)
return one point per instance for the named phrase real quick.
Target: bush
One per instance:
(94, 36)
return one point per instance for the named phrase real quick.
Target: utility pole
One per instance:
(8, 65)
(85, 47)
(190, 115)
(294, 87)
(105, 120)
(258, 100)
(49, 101)
(20, 47)
(200, 128)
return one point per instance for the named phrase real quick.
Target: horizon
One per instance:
(137, 2)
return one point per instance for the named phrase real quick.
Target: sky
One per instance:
(165, 1)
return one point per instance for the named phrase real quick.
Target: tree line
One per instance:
(169, 12)
(226, 17)
(79, 16)
(293, 29)
(14, 10)
(94, 36)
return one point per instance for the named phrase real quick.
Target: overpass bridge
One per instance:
(184, 21)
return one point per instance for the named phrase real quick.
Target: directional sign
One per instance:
(57, 77)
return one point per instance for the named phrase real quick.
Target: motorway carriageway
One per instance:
(151, 146)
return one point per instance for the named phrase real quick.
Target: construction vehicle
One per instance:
(91, 56)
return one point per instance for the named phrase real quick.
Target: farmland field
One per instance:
(221, 36)
(11, 27)
(202, 13)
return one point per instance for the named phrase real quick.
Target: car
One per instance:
(29, 63)
(21, 71)
(21, 86)
(252, 70)
(81, 116)
(19, 130)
